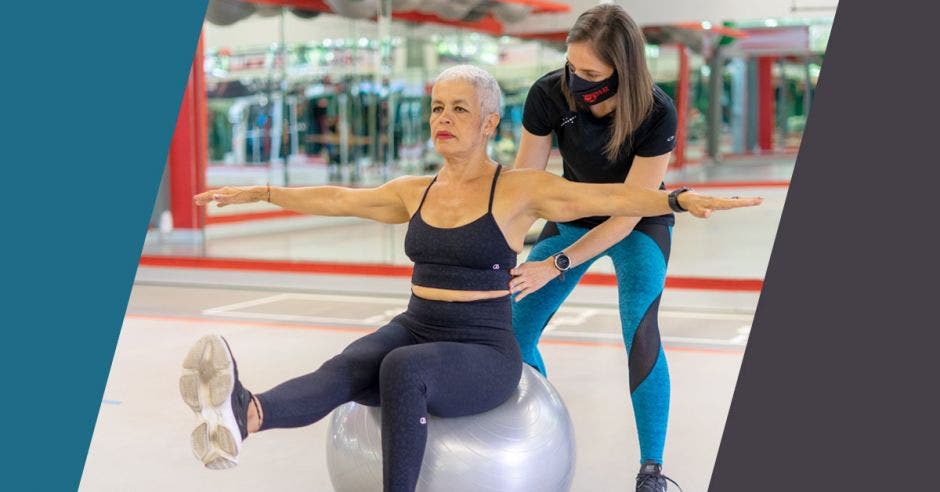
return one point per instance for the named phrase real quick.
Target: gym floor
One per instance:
(281, 325)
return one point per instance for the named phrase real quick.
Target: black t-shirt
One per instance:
(582, 137)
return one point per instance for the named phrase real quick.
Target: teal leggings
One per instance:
(640, 264)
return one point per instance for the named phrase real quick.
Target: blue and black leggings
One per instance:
(449, 359)
(640, 263)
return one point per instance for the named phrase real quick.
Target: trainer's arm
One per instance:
(533, 151)
(383, 204)
(646, 172)
(557, 199)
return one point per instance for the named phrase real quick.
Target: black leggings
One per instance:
(449, 359)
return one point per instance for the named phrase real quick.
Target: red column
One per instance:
(765, 103)
(189, 150)
(682, 105)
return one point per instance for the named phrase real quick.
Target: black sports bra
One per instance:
(474, 256)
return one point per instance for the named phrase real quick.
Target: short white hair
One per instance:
(481, 80)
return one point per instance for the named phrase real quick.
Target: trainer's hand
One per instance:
(231, 195)
(530, 277)
(702, 205)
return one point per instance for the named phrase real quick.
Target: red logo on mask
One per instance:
(590, 98)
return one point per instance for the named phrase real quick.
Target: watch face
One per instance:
(562, 262)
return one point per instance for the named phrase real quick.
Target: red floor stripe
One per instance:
(251, 216)
(733, 184)
(382, 270)
(708, 283)
(694, 283)
(278, 266)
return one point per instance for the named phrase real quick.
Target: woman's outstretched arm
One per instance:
(383, 204)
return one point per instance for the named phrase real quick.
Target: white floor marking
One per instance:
(665, 339)
(251, 303)
(743, 333)
(236, 310)
(706, 315)
(566, 317)
(569, 317)
(297, 318)
(384, 317)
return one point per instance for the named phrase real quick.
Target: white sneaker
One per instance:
(210, 386)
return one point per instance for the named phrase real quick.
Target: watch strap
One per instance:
(674, 199)
(561, 271)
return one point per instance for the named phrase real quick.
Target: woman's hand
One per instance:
(531, 276)
(702, 206)
(231, 195)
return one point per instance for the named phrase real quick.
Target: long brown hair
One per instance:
(619, 43)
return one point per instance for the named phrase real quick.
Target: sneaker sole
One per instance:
(206, 386)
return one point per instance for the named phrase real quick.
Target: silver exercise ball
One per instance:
(524, 445)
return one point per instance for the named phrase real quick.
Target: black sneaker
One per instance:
(210, 386)
(651, 478)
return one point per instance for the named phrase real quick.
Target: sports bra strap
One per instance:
(493, 188)
(425, 195)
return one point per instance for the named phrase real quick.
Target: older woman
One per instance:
(453, 352)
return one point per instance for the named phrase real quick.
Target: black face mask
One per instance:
(590, 93)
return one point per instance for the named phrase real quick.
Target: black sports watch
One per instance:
(674, 200)
(562, 263)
